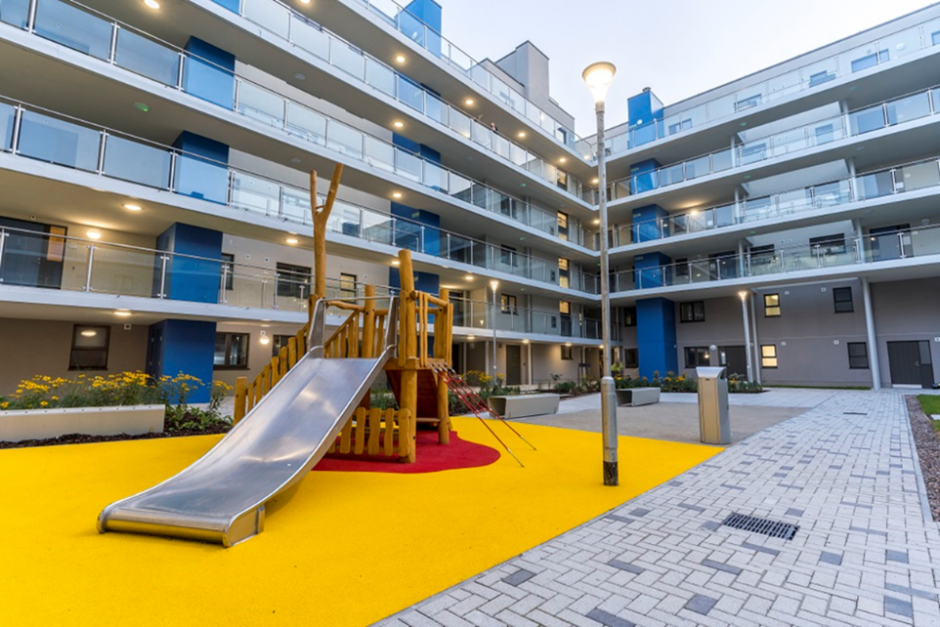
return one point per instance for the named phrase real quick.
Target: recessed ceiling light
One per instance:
(398, 124)
(133, 207)
(122, 313)
(469, 102)
(396, 263)
(94, 234)
(89, 333)
(141, 107)
(595, 181)
(520, 134)
(305, 1)
(152, 4)
(396, 195)
(400, 59)
(300, 76)
(743, 124)
(522, 185)
(525, 341)
(293, 241)
(469, 277)
(470, 338)
(567, 343)
(563, 160)
(295, 159)
(597, 220)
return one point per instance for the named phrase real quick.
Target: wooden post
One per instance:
(407, 344)
(442, 349)
(368, 325)
(321, 213)
(291, 352)
(241, 399)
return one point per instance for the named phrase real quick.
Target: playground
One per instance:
(315, 508)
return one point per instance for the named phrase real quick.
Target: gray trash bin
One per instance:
(714, 422)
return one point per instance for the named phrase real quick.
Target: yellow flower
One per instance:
(43, 403)
(4, 405)
(55, 398)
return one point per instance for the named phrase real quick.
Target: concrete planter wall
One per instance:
(39, 424)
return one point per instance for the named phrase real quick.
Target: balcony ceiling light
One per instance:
(396, 263)
(398, 124)
(93, 234)
(469, 102)
(122, 313)
(140, 106)
(133, 207)
(595, 181)
(400, 59)
(520, 134)
(305, 1)
(568, 344)
(525, 341)
(469, 277)
(293, 241)
(470, 338)
(597, 220)
(563, 160)
(89, 333)
(152, 4)
(396, 195)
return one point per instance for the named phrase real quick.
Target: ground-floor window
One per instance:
(768, 355)
(90, 345)
(631, 358)
(566, 353)
(858, 355)
(231, 351)
(280, 341)
(696, 356)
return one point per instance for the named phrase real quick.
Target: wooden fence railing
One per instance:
(377, 431)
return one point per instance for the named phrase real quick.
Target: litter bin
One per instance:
(714, 423)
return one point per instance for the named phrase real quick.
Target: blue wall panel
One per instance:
(191, 279)
(647, 270)
(646, 224)
(183, 346)
(656, 337)
(231, 5)
(211, 76)
(643, 177)
(203, 172)
(641, 110)
(424, 281)
(412, 23)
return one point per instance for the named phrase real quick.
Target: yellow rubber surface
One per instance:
(349, 549)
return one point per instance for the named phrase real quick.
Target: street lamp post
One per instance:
(743, 294)
(598, 77)
(494, 284)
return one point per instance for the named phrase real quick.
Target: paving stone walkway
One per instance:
(845, 473)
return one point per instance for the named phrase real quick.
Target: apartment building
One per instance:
(155, 158)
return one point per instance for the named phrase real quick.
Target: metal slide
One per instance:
(221, 497)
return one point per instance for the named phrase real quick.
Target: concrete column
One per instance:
(872, 338)
(528, 360)
(738, 217)
(740, 257)
(850, 162)
(859, 240)
(747, 334)
(757, 360)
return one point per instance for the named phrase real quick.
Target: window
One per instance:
(89, 347)
(829, 244)
(563, 225)
(566, 353)
(771, 305)
(228, 266)
(821, 77)
(747, 103)
(629, 317)
(508, 304)
(561, 179)
(231, 351)
(842, 299)
(871, 60)
(564, 307)
(293, 281)
(692, 312)
(768, 356)
(280, 341)
(564, 278)
(678, 127)
(347, 285)
(630, 358)
(696, 356)
(858, 355)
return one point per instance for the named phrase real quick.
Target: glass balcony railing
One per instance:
(63, 22)
(889, 181)
(282, 21)
(50, 139)
(837, 251)
(41, 260)
(886, 49)
(890, 113)
(400, 19)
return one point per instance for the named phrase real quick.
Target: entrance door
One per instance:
(513, 364)
(910, 363)
(30, 257)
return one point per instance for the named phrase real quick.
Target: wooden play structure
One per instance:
(425, 336)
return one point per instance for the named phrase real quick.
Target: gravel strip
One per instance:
(928, 449)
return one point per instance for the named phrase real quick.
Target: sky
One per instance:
(679, 48)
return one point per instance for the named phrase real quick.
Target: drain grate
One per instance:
(772, 528)
(854, 413)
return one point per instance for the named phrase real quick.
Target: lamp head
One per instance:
(742, 295)
(494, 284)
(598, 77)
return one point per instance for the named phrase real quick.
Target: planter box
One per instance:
(637, 396)
(525, 405)
(40, 424)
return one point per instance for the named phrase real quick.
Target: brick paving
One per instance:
(845, 472)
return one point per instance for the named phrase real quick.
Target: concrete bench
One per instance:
(637, 396)
(524, 405)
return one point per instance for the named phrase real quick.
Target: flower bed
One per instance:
(672, 383)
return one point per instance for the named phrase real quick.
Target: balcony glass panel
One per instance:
(73, 28)
(345, 220)
(502, 147)
(59, 142)
(790, 141)
(201, 179)
(410, 93)
(310, 38)
(377, 228)
(435, 177)
(270, 15)
(457, 248)
(147, 57)
(820, 73)
(256, 195)
(124, 271)
(875, 185)
(794, 201)
(295, 205)
(459, 187)
(825, 132)
(721, 107)
(132, 161)
(379, 154)
(380, 77)
(832, 194)
(260, 104)
(907, 109)
(306, 123)
(936, 100)
(518, 155)
(7, 118)
(347, 58)
(436, 109)
(482, 135)
(918, 176)
(903, 43)
(460, 123)
(695, 168)
(722, 161)
(783, 85)
(408, 165)
(344, 139)
(15, 12)
(671, 175)
(924, 242)
(753, 152)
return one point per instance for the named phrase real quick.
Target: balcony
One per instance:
(875, 53)
(121, 47)
(840, 257)
(892, 113)
(37, 135)
(470, 316)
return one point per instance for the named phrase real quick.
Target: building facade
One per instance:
(155, 158)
